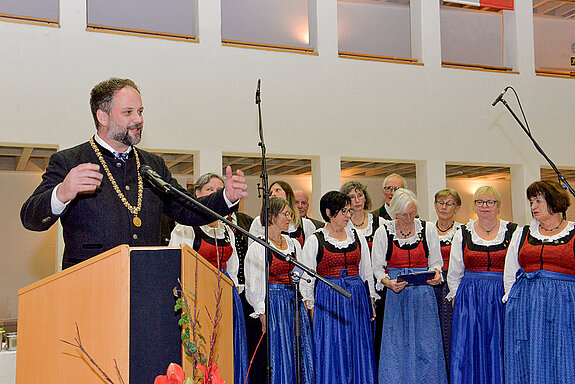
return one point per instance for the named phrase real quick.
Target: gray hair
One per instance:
(394, 176)
(203, 180)
(401, 200)
(353, 185)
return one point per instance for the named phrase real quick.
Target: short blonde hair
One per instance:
(401, 200)
(487, 190)
(446, 192)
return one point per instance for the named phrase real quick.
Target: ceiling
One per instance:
(561, 9)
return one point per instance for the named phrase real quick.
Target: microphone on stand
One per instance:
(499, 97)
(154, 178)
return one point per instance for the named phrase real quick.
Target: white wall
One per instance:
(25, 256)
(201, 97)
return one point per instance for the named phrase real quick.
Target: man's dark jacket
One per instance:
(96, 222)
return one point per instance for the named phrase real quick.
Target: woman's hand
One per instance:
(263, 321)
(393, 284)
(436, 279)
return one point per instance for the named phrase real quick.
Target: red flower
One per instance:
(174, 375)
(214, 373)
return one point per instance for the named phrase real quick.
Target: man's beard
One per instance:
(123, 135)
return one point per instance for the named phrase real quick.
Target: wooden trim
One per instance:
(555, 73)
(385, 59)
(478, 67)
(141, 33)
(268, 47)
(29, 20)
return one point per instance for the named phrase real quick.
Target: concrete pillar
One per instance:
(522, 175)
(430, 179)
(208, 160)
(326, 176)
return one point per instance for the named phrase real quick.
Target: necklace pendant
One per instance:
(137, 221)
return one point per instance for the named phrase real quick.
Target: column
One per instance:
(430, 179)
(522, 175)
(326, 176)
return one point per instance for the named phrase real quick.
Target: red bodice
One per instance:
(331, 260)
(408, 257)
(556, 256)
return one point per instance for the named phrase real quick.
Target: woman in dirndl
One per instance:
(283, 355)
(475, 280)
(447, 204)
(540, 292)
(411, 350)
(343, 340)
(366, 223)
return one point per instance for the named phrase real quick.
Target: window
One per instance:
(554, 36)
(44, 11)
(276, 24)
(476, 37)
(171, 19)
(376, 29)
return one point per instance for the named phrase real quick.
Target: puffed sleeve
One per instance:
(182, 234)
(378, 252)
(256, 229)
(365, 267)
(456, 265)
(233, 264)
(435, 261)
(309, 258)
(308, 227)
(254, 269)
(511, 262)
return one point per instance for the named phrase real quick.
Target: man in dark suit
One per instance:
(302, 204)
(96, 189)
(390, 184)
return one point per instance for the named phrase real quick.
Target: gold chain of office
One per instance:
(133, 210)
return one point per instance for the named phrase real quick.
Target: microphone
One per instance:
(154, 178)
(499, 97)
(258, 100)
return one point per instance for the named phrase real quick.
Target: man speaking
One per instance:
(97, 191)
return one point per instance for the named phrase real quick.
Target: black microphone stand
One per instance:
(527, 131)
(296, 276)
(263, 191)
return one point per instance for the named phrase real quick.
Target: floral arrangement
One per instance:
(192, 340)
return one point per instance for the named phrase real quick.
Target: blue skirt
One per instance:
(411, 347)
(241, 361)
(342, 333)
(281, 323)
(477, 330)
(540, 329)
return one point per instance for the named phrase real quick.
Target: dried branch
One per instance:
(79, 345)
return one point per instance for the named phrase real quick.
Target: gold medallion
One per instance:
(137, 222)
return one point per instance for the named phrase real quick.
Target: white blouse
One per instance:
(448, 236)
(256, 273)
(512, 257)
(368, 230)
(379, 249)
(258, 230)
(456, 264)
(309, 258)
(184, 234)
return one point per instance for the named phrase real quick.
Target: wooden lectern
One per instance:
(123, 303)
